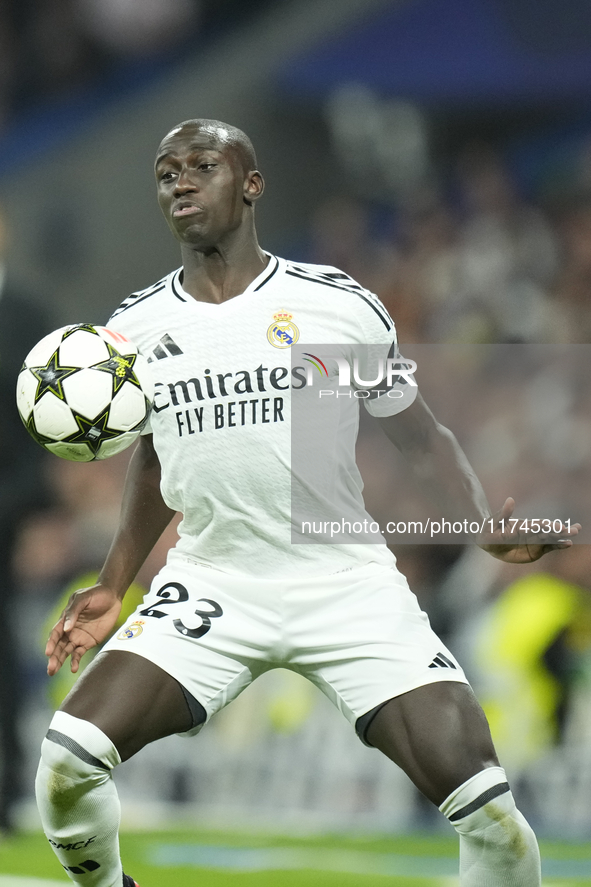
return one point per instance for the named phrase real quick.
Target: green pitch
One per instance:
(215, 859)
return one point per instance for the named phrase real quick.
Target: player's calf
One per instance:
(497, 846)
(78, 802)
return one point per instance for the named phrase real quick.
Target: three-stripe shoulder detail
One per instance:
(136, 298)
(341, 281)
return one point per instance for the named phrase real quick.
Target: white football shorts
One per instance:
(358, 635)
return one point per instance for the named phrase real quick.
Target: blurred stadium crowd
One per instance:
(469, 260)
(472, 258)
(73, 42)
(51, 51)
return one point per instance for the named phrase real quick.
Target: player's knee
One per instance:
(75, 756)
(484, 808)
(496, 843)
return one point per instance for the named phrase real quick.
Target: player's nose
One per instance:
(185, 182)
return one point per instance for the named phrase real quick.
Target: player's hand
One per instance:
(88, 619)
(514, 541)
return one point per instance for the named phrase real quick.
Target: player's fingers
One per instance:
(71, 616)
(60, 632)
(557, 538)
(53, 666)
(58, 657)
(565, 530)
(553, 546)
(75, 658)
(572, 530)
(77, 603)
(64, 648)
(54, 638)
(58, 627)
(55, 644)
(74, 644)
(497, 521)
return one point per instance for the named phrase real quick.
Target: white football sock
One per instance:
(497, 846)
(78, 801)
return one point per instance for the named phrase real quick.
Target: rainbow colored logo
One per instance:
(315, 361)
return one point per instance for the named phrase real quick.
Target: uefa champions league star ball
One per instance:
(84, 392)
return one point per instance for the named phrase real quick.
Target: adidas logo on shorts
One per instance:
(442, 661)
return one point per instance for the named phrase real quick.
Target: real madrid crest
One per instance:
(283, 333)
(132, 631)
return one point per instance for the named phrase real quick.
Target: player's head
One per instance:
(207, 181)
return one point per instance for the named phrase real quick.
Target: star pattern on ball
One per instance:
(93, 432)
(87, 327)
(36, 435)
(51, 377)
(120, 367)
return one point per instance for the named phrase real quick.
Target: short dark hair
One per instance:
(228, 134)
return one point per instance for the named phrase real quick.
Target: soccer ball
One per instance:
(84, 392)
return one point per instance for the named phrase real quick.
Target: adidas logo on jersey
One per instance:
(442, 661)
(166, 347)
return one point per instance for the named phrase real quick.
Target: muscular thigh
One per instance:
(438, 734)
(130, 699)
(362, 638)
(213, 632)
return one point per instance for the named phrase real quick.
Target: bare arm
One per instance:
(441, 467)
(144, 517)
(92, 613)
(438, 463)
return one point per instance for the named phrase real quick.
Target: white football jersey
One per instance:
(225, 385)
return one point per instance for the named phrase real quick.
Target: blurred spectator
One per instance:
(136, 27)
(73, 536)
(421, 281)
(570, 316)
(530, 647)
(486, 268)
(53, 49)
(341, 235)
(22, 324)
(479, 268)
(48, 54)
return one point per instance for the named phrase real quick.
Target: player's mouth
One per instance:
(186, 209)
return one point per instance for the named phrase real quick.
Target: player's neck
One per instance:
(218, 275)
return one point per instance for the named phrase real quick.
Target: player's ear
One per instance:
(254, 185)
